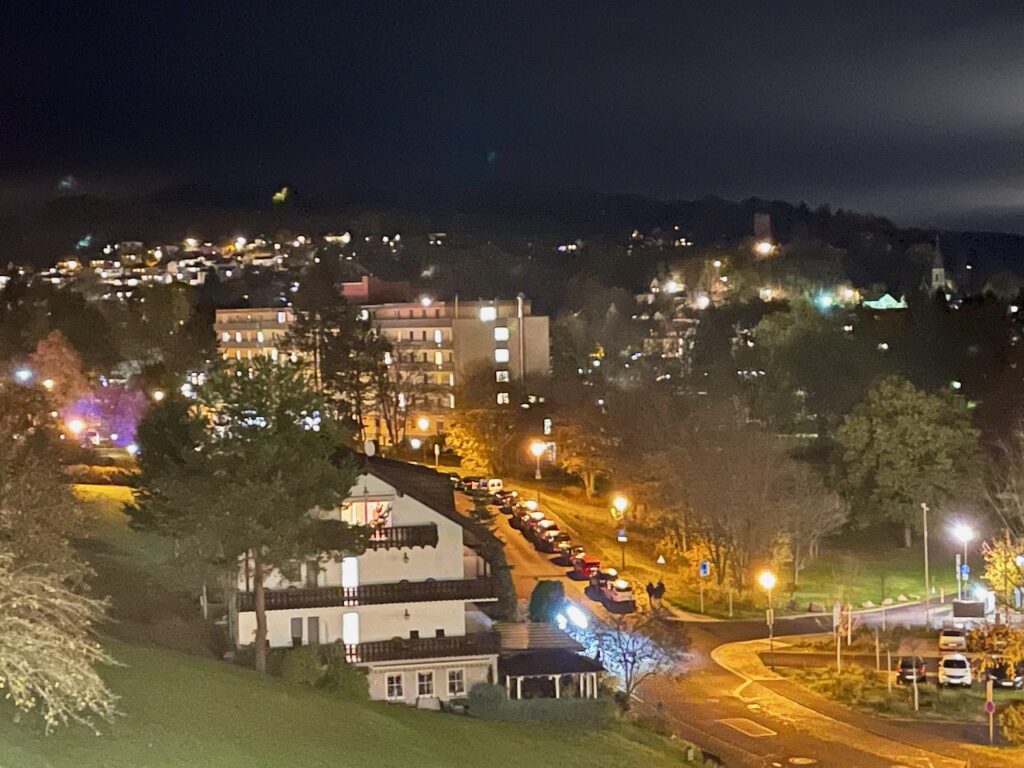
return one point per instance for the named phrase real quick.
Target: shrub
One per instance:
(302, 666)
(1011, 722)
(346, 680)
(489, 703)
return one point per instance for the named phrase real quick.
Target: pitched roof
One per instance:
(421, 483)
(539, 663)
(534, 636)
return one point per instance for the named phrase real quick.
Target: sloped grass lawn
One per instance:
(194, 711)
(187, 712)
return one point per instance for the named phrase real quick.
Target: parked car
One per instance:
(491, 486)
(504, 496)
(509, 507)
(1003, 675)
(585, 566)
(617, 591)
(952, 639)
(910, 668)
(456, 480)
(564, 546)
(550, 539)
(955, 669)
(469, 484)
(535, 532)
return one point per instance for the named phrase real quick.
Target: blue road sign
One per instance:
(704, 569)
(965, 571)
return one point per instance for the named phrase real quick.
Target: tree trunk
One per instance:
(796, 566)
(261, 614)
(908, 538)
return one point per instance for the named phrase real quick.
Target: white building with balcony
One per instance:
(406, 609)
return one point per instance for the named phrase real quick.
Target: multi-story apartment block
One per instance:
(406, 608)
(246, 333)
(435, 343)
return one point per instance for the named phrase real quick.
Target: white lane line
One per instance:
(748, 727)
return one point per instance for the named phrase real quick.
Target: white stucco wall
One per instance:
(475, 670)
(376, 622)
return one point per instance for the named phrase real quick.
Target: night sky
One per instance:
(909, 109)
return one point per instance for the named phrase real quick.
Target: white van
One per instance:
(494, 485)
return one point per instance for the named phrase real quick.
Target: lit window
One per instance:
(501, 333)
(451, 401)
(503, 398)
(387, 358)
(425, 683)
(281, 317)
(501, 355)
(349, 572)
(350, 628)
(488, 314)
(273, 354)
(394, 687)
(501, 376)
(547, 426)
(238, 336)
(456, 682)
(225, 336)
(438, 359)
(259, 336)
(438, 336)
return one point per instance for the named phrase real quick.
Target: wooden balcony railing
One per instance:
(372, 594)
(399, 536)
(420, 648)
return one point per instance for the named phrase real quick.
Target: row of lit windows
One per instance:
(395, 684)
(225, 336)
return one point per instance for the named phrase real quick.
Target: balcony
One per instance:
(401, 536)
(421, 648)
(372, 594)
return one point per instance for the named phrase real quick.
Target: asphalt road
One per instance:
(743, 714)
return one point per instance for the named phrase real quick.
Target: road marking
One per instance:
(802, 761)
(748, 727)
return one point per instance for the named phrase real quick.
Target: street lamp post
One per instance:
(964, 534)
(767, 581)
(619, 506)
(537, 448)
(927, 581)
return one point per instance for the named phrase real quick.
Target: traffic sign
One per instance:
(965, 571)
(704, 569)
(990, 707)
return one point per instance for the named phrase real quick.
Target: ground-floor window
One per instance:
(394, 687)
(456, 682)
(425, 683)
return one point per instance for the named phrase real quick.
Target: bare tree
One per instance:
(1004, 487)
(635, 648)
(812, 512)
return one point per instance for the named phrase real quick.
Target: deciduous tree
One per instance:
(902, 447)
(259, 456)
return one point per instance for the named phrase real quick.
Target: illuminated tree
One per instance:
(1004, 566)
(634, 648)
(57, 363)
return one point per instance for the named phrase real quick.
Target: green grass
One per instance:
(194, 711)
(200, 713)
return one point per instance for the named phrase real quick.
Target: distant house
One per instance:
(406, 609)
(886, 302)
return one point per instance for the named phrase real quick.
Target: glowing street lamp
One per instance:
(767, 581)
(49, 384)
(75, 426)
(965, 535)
(620, 504)
(415, 442)
(423, 423)
(158, 395)
(23, 375)
(537, 448)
